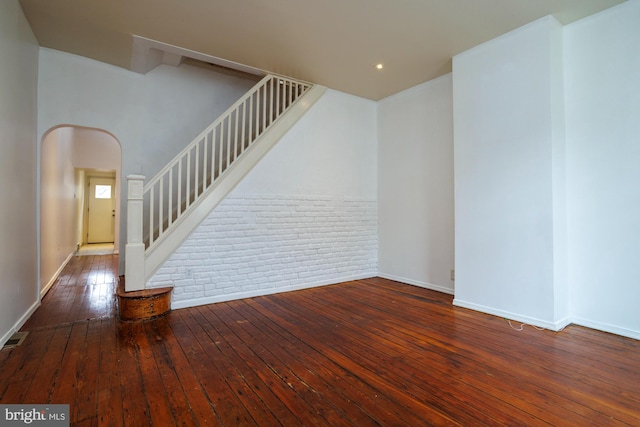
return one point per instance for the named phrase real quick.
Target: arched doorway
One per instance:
(73, 157)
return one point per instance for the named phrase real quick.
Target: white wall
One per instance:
(331, 151)
(18, 115)
(64, 150)
(507, 145)
(603, 152)
(58, 205)
(534, 211)
(415, 185)
(153, 116)
(304, 216)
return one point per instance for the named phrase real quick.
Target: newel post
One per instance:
(134, 249)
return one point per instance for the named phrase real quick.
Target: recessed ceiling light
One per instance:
(379, 67)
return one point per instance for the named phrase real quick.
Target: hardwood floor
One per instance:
(369, 352)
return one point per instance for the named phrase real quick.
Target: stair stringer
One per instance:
(186, 224)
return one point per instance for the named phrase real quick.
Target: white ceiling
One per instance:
(336, 43)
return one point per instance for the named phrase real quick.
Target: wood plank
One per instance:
(21, 360)
(465, 371)
(168, 380)
(109, 395)
(40, 390)
(261, 380)
(555, 381)
(202, 352)
(327, 347)
(74, 297)
(160, 409)
(371, 399)
(85, 403)
(368, 352)
(64, 390)
(135, 407)
(389, 367)
(280, 391)
(18, 371)
(197, 400)
(311, 373)
(233, 377)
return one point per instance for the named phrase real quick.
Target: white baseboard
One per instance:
(16, 327)
(561, 324)
(261, 292)
(604, 327)
(417, 283)
(553, 326)
(48, 286)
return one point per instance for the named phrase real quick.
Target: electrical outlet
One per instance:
(453, 274)
(188, 273)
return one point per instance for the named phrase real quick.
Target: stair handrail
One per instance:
(208, 129)
(212, 155)
(273, 95)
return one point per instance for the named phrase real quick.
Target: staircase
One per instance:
(162, 213)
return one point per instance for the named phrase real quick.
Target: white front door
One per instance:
(101, 219)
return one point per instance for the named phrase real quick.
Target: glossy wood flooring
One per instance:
(363, 353)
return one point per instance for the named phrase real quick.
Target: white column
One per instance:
(510, 226)
(134, 249)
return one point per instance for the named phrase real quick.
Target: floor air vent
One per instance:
(15, 340)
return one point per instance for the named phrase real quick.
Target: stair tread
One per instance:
(146, 293)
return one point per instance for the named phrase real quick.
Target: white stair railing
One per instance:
(183, 182)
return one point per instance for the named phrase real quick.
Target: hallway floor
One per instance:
(96, 249)
(84, 291)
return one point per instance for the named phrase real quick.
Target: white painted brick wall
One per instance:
(259, 244)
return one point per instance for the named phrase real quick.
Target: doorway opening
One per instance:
(99, 212)
(73, 159)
